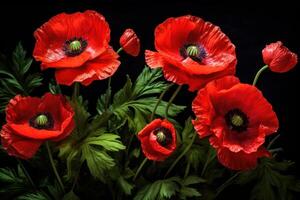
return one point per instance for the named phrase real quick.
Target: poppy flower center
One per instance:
(163, 136)
(75, 46)
(193, 51)
(236, 120)
(42, 121)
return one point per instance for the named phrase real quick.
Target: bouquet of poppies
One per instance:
(132, 143)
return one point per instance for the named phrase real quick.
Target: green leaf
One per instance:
(125, 185)
(270, 180)
(54, 88)
(35, 196)
(161, 189)
(190, 180)
(70, 196)
(134, 104)
(81, 117)
(103, 101)
(98, 162)
(188, 131)
(15, 76)
(148, 83)
(124, 94)
(14, 181)
(187, 192)
(108, 141)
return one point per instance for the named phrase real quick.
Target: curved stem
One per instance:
(54, 168)
(273, 141)
(172, 99)
(187, 169)
(119, 50)
(181, 155)
(139, 169)
(26, 174)
(206, 162)
(159, 100)
(259, 73)
(227, 183)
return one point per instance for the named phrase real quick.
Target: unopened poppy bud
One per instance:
(130, 42)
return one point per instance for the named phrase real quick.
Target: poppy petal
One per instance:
(100, 68)
(18, 146)
(153, 59)
(52, 36)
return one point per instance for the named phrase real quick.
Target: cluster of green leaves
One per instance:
(134, 103)
(171, 187)
(89, 143)
(15, 78)
(270, 180)
(15, 185)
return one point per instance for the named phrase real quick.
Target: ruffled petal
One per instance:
(20, 109)
(153, 59)
(18, 146)
(100, 68)
(240, 160)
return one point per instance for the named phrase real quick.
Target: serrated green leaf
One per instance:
(188, 131)
(125, 185)
(161, 189)
(70, 196)
(147, 83)
(98, 161)
(124, 94)
(8, 176)
(190, 180)
(81, 117)
(187, 192)
(15, 77)
(271, 181)
(34, 196)
(103, 101)
(108, 141)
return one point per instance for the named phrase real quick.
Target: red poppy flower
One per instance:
(130, 42)
(279, 58)
(31, 121)
(77, 45)
(158, 139)
(191, 51)
(237, 117)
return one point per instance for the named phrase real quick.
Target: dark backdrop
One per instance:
(249, 25)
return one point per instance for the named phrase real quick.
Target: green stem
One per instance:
(139, 169)
(172, 99)
(129, 143)
(26, 174)
(107, 96)
(273, 141)
(119, 50)
(76, 179)
(259, 73)
(159, 100)
(206, 163)
(227, 183)
(187, 169)
(54, 168)
(76, 90)
(275, 150)
(187, 148)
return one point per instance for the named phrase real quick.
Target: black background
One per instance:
(250, 26)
